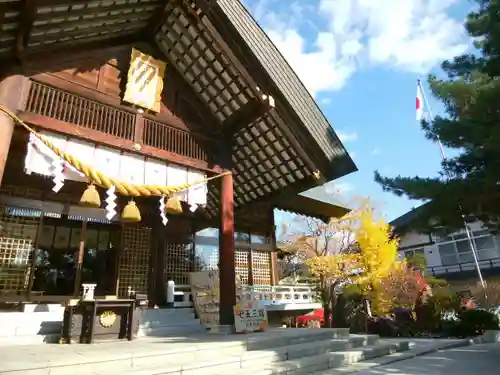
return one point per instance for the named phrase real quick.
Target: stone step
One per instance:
(152, 318)
(317, 365)
(160, 355)
(254, 361)
(172, 330)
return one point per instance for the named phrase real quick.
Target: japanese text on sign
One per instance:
(250, 317)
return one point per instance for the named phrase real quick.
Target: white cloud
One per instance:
(376, 151)
(327, 41)
(323, 69)
(347, 136)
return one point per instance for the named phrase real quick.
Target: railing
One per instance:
(268, 294)
(64, 106)
(464, 267)
(48, 101)
(165, 137)
(279, 294)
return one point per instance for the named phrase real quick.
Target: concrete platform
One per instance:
(42, 323)
(476, 359)
(277, 351)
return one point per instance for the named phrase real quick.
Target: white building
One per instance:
(450, 256)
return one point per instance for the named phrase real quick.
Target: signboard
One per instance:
(205, 292)
(250, 317)
(144, 81)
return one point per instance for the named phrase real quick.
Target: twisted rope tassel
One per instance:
(99, 179)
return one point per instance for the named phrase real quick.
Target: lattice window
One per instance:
(134, 261)
(213, 260)
(178, 262)
(261, 267)
(17, 240)
(241, 264)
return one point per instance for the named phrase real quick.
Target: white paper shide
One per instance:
(126, 167)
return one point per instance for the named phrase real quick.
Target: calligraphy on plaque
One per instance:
(250, 317)
(144, 81)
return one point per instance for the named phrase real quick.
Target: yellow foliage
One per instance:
(400, 288)
(366, 254)
(378, 251)
(334, 266)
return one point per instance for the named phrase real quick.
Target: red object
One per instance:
(316, 315)
(421, 281)
(468, 303)
(419, 102)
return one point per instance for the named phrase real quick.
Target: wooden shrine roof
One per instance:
(228, 61)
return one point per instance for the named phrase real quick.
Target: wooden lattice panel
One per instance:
(17, 239)
(178, 261)
(261, 267)
(197, 56)
(240, 260)
(241, 264)
(133, 270)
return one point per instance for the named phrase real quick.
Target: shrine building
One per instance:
(143, 104)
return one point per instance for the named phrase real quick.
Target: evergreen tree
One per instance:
(471, 97)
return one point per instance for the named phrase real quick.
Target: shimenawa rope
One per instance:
(99, 179)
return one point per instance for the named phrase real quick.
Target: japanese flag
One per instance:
(420, 102)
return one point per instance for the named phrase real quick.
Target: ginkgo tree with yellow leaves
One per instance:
(357, 248)
(377, 257)
(326, 249)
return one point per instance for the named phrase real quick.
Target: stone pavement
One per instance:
(466, 360)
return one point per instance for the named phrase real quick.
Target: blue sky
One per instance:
(360, 59)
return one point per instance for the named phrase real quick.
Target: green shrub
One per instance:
(475, 322)
(429, 314)
(444, 299)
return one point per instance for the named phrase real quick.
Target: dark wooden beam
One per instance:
(247, 114)
(159, 18)
(54, 50)
(27, 18)
(121, 9)
(82, 32)
(104, 18)
(90, 135)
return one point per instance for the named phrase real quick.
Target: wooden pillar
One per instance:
(158, 291)
(226, 252)
(250, 265)
(274, 258)
(13, 91)
(79, 263)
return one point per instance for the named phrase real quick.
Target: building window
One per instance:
(457, 249)
(412, 252)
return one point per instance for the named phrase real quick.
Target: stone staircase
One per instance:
(279, 351)
(169, 322)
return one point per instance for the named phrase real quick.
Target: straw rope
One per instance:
(99, 179)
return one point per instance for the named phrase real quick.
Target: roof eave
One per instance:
(251, 44)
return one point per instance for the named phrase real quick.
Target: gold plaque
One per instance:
(107, 319)
(144, 81)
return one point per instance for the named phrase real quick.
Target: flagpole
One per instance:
(443, 156)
